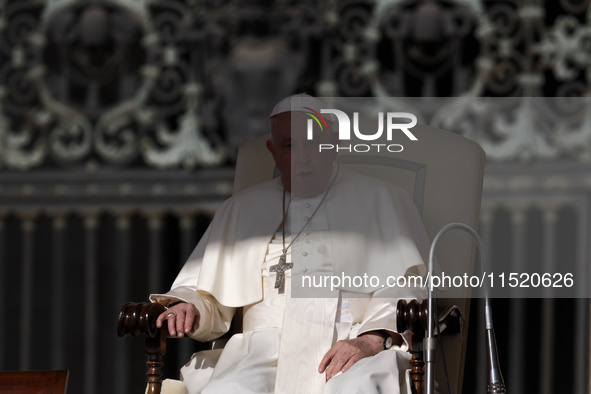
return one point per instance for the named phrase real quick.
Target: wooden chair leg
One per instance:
(155, 348)
(417, 372)
(412, 316)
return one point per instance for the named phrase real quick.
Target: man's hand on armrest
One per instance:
(344, 354)
(183, 318)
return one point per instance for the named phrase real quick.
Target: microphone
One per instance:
(496, 384)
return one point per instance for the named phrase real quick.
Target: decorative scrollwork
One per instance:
(186, 144)
(80, 78)
(567, 47)
(113, 82)
(575, 6)
(522, 128)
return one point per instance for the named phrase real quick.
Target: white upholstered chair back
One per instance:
(442, 172)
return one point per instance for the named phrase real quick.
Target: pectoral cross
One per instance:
(280, 269)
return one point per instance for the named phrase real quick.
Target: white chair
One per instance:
(443, 173)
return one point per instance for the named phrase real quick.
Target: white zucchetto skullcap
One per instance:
(298, 103)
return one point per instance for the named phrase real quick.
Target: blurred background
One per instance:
(119, 122)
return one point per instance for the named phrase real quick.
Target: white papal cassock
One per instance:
(363, 228)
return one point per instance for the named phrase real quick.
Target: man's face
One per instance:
(305, 171)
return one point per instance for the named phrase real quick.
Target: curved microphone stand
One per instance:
(496, 384)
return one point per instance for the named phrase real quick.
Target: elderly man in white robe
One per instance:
(313, 221)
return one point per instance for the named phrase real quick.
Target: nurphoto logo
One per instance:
(391, 119)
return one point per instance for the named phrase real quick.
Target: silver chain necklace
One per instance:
(283, 266)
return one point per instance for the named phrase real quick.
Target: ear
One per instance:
(270, 147)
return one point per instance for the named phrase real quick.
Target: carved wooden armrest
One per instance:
(137, 319)
(413, 316)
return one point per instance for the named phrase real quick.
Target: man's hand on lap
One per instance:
(344, 354)
(183, 318)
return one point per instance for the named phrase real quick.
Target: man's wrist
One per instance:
(375, 338)
(387, 339)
